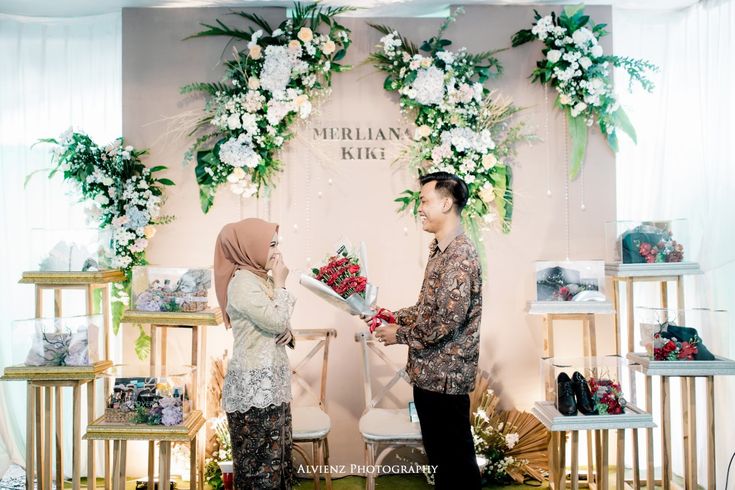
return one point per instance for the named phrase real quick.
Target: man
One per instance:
(442, 332)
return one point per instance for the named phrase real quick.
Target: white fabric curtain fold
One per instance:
(55, 73)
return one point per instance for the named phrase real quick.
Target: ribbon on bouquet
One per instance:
(383, 316)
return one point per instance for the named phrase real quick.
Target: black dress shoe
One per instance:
(585, 403)
(685, 334)
(565, 395)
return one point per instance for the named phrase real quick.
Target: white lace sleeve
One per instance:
(252, 301)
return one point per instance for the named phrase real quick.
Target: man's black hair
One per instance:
(450, 185)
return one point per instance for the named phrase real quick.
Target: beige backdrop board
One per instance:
(322, 198)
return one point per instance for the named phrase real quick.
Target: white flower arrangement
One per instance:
(125, 197)
(268, 86)
(576, 67)
(461, 127)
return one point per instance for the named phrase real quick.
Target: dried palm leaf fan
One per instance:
(214, 399)
(533, 438)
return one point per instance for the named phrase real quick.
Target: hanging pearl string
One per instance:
(566, 183)
(547, 140)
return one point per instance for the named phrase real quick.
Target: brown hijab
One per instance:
(241, 245)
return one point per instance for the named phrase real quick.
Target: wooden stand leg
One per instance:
(604, 481)
(123, 463)
(616, 314)
(630, 311)
(325, 447)
(76, 452)
(692, 449)
(590, 458)
(620, 461)
(650, 477)
(151, 469)
(711, 454)
(665, 434)
(195, 375)
(48, 421)
(193, 463)
(108, 464)
(575, 460)
(116, 465)
(164, 474)
(549, 344)
(91, 412)
(562, 477)
(636, 460)
(552, 451)
(315, 459)
(40, 436)
(680, 298)
(685, 408)
(59, 424)
(30, 463)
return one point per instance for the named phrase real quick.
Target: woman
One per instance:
(257, 390)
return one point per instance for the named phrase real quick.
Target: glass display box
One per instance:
(691, 334)
(648, 242)
(65, 341)
(587, 385)
(69, 250)
(142, 395)
(570, 280)
(171, 289)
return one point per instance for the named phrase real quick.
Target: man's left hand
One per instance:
(386, 334)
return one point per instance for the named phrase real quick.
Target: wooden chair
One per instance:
(383, 429)
(311, 423)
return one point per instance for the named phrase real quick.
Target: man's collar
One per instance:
(442, 246)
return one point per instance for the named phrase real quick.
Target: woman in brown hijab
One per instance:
(257, 390)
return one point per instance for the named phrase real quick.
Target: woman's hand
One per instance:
(280, 271)
(285, 338)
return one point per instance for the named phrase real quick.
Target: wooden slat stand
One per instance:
(687, 372)
(45, 384)
(630, 274)
(159, 323)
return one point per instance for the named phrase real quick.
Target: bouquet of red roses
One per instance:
(343, 282)
(607, 395)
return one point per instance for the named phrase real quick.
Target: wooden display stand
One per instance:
(687, 372)
(45, 383)
(187, 432)
(159, 323)
(601, 425)
(630, 274)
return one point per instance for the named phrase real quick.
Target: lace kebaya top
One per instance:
(258, 374)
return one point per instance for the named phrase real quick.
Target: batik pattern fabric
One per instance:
(442, 330)
(262, 448)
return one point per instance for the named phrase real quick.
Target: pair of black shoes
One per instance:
(574, 394)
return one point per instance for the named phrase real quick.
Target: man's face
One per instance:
(434, 207)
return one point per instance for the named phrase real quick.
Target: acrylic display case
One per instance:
(648, 242)
(570, 281)
(65, 341)
(69, 250)
(171, 289)
(145, 396)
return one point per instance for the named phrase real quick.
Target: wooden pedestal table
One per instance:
(601, 425)
(688, 372)
(120, 434)
(630, 274)
(45, 413)
(583, 312)
(159, 323)
(89, 282)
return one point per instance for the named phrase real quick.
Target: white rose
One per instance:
(585, 62)
(426, 62)
(596, 51)
(553, 55)
(565, 99)
(101, 199)
(253, 83)
(256, 52)
(489, 161)
(328, 47)
(149, 231)
(305, 34)
(422, 131)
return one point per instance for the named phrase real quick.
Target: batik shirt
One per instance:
(442, 330)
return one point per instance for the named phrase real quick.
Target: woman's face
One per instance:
(273, 252)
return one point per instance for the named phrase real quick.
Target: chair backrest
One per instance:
(322, 338)
(367, 345)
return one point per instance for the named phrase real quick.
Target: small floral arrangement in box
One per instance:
(143, 401)
(665, 250)
(607, 395)
(671, 349)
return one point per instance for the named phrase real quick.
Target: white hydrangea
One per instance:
(277, 110)
(276, 72)
(511, 440)
(391, 42)
(446, 56)
(429, 86)
(553, 55)
(238, 154)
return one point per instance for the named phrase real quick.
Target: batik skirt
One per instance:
(261, 448)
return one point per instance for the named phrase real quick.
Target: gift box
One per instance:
(570, 281)
(69, 250)
(65, 341)
(648, 242)
(692, 334)
(171, 289)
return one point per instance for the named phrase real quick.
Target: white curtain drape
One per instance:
(55, 73)
(683, 167)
